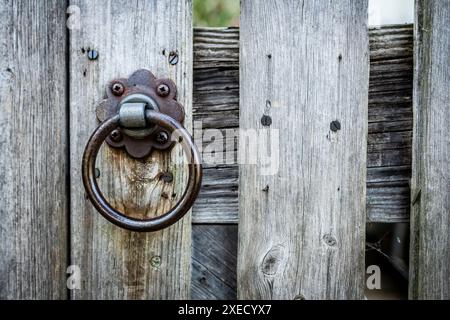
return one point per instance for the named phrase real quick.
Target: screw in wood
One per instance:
(92, 54)
(266, 120)
(335, 125)
(155, 261)
(173, 57)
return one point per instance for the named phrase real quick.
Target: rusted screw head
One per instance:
(163, 90)
(162, 137)
(117, 89)
(116, 135)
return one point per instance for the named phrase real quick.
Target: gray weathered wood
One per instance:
(216, 95)
(430, 218)
(216, 106)
(33, 146)
(117, 264)
(390, 123)
(216, 47)
(214, 261)
(304, 237)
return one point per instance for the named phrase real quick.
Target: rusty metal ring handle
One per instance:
(118, 218)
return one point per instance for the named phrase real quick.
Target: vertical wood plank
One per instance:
(430, 187)
(33, 201)
(115, 263)
(301, 229)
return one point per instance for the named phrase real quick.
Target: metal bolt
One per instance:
(335, 126)
(266, 188)
(117, 89)
(266, 120)
(162, 137)
(167, 177)
(116, 135)
(155, 261)
(173, 57)
(92, 55)
(299, 297)
(163, 90)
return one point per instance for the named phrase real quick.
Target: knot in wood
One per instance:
(272, 260)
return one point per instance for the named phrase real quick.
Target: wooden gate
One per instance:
(351, 120)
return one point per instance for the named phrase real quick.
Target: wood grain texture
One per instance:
(304, 238)
(33, 146)
(214, 262)
(216, 106)
(216, 48)
(115, 263)
(390, 123)
(430, 194)
(216, 95)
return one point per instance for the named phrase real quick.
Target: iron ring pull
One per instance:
(118, 218)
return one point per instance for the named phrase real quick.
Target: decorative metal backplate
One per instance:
(162, 91)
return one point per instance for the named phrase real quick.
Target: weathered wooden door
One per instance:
(321, 107)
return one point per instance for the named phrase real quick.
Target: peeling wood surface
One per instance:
(115, 263)
(216, 95)
(430, 194)
(33, 144)
(304, 237)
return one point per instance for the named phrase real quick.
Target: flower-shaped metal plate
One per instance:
(162, 94)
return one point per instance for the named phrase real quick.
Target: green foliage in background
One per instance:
(216, 13)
